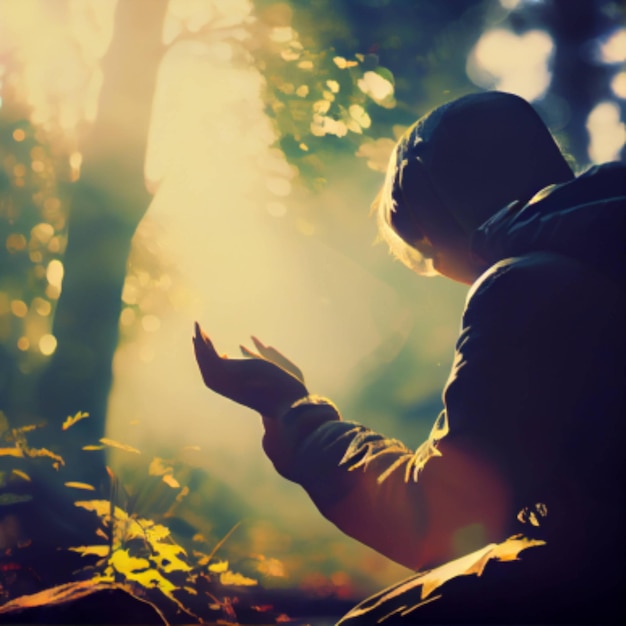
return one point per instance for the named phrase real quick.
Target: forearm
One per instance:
(410, 507)
(358, 479)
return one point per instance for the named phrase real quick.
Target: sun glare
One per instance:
(246, 261)
(59, 52)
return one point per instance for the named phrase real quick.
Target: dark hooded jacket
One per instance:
(536, 392)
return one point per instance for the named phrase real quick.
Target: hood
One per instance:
(584, 219)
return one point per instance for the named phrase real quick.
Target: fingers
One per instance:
(278, 358)
(203, 345)
(260, 346)
(247, 352)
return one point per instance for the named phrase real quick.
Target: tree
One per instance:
(343, 77)
(108, 201)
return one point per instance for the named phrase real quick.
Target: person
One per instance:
(525, 463)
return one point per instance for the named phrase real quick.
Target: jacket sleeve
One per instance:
(448, 497)
(516, 423)
(419, 508)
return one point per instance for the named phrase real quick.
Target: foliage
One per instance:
(16, 445)
(130, 551)
(317, 97)
(342, 78)
(350, 73)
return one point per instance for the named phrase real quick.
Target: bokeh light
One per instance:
(618, 85)
(613, 49)
(607, 132)
(514, 63)
(47, 344)
(54, 274)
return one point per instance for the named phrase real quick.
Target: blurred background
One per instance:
(166, 161)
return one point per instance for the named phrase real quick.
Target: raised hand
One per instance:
(268, 383)
(273, 355)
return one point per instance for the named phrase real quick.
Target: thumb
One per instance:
(203, 345)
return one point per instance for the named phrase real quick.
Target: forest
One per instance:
(167, 161)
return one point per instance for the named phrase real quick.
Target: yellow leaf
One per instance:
(27, 429)
(232, 578)
(158, 468)
(39, 452)
(126, 564)
(70, 421)
(93, 448)
(56, 595)
(508, 550)
(97, 550)
(133, 529)
(120, 446)
(170, 481)
(201, 558)
(152, 578)
(78, 485)
(397, 599)
(11, 452)
(154, 532)
(170, 558)
(218, 567)
(139, 570)
(21, 474)
(100, 507)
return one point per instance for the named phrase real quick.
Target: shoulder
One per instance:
(523, 311)
(516, 286)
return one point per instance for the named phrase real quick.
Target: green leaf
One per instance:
(6, 499)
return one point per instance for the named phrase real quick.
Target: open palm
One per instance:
(267, 383)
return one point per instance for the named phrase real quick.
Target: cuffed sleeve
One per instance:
(374, 488)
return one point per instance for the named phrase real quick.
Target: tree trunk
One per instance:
(108, 201)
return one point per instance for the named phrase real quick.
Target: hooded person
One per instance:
(525, 462)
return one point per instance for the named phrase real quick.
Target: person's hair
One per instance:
(457, 166)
